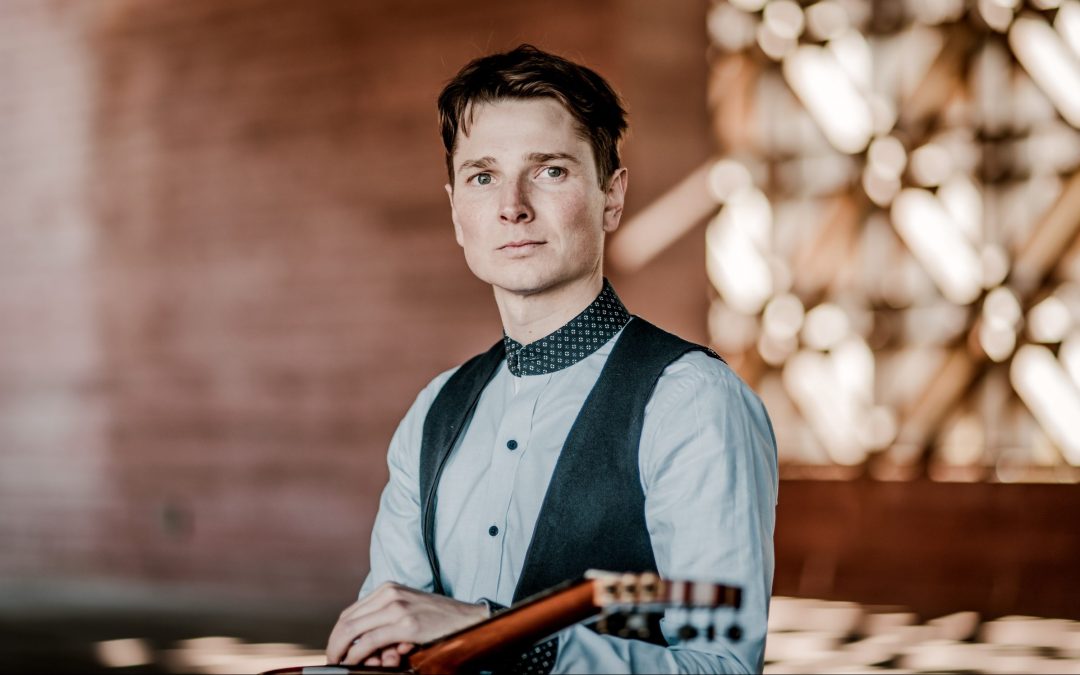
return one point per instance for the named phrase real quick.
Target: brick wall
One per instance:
(228, 265)
(54, 465)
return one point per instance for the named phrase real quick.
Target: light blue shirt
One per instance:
(708, 469)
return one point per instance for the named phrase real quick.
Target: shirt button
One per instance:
(493, 530)
(511, 444)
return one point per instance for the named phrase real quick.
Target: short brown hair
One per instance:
(527, 72)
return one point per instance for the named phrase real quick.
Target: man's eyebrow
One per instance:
(481, 163)
(548, 156)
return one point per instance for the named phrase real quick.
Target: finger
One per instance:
(405, 647)
(356, 654)
(372, 641)
(351, 628)
(341, 638)
(337, 643)
(395, 616)
(391, 658)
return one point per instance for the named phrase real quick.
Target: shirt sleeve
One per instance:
(709, 472)
(397, 544)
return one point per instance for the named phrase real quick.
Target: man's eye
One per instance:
(482, 178)
(554, 172)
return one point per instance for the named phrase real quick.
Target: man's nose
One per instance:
(514, 205)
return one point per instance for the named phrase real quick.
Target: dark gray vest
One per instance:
(593, 515)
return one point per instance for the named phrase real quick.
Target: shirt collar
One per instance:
(577, 339)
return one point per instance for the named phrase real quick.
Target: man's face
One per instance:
(526, 202)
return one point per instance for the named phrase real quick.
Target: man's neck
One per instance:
(527, 318)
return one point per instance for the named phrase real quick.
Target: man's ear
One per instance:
(614, 199)
(453, 214)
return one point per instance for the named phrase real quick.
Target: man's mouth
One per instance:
(520, 245)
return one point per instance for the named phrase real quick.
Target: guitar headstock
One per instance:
(633, 604)
(612, 591)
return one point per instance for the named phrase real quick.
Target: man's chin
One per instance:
(522, 285)
(525, 281)
(521, 289)
(521, 281)
(524, 288)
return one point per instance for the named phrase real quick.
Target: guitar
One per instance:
(626, 601)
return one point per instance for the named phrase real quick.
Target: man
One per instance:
(534, 461)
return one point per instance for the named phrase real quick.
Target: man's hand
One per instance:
(387, 623)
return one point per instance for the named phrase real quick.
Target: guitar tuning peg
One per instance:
(608, 592)
(650, 586)
(613, 623)
(637, 625)
(602, 625)
(687, 632)
(629, 625)
(628, 588)
(734, 632)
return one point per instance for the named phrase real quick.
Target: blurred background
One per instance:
(227, 268)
